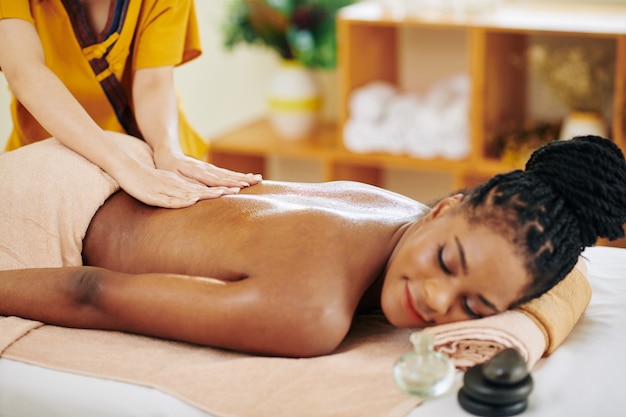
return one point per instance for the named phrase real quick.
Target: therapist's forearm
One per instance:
(48, 99)
(56, 109)
(156, 108)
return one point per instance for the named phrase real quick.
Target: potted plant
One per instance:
(302, 33)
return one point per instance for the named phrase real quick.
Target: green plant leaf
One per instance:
(296, 29)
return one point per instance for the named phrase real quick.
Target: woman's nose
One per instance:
(439, 294)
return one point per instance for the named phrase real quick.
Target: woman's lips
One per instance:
(409, 307)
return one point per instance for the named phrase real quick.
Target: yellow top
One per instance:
(141, 34)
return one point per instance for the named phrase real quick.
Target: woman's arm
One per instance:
(52, 104)
(156, 111)
(245, 315)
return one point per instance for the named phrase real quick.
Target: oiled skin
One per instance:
(290, 230)
(297, 259)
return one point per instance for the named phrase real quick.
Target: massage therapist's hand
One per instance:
(202, 173)
(162, 188)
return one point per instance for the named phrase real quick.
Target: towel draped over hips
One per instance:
(49, 196)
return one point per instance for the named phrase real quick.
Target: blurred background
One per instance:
(221, 89)
(224, 90)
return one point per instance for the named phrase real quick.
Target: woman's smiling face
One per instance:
(445, 269)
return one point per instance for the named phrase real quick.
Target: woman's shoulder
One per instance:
(342, 196)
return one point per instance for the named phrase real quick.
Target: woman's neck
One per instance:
(371, 298)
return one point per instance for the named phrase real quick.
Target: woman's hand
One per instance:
(200, 172)
(156, 111)
(162, 188)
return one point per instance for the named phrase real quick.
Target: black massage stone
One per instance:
(489, 410)
(477, 386)
(505, 368)
(499, 387)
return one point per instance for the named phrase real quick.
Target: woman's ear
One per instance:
(444, 205)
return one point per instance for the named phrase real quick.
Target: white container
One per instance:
(579, 123)
(294, 101)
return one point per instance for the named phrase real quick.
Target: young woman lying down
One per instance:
(282, 268)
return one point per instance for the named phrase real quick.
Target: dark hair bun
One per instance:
(589, 173)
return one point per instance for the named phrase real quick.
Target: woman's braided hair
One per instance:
(571, 193)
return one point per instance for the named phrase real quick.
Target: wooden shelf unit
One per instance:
(247, 148)
(369, 50)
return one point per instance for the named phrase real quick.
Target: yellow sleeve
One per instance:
(17, 9)
(168, 34)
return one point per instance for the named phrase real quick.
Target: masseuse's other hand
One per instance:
(201, 172)
(161, 188)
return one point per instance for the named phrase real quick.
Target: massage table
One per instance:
(583, 377)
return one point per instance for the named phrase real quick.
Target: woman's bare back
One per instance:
(270, 228)
(289, 262)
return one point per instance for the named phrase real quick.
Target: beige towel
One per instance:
(535, 329)
(556, 312)
(13, 328)
(356, 380)
(50, 194)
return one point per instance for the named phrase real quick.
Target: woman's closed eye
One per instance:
(442, 263)
(468, 310)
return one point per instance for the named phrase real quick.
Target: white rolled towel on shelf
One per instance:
(456, 113)
(448, 90)
(442, 128)
(369, 103)
(360, 136)
(454, 147)
(454, 134)
(459, 84)
(422, 136)
(391, 137)
(403, 109)
(382, 119)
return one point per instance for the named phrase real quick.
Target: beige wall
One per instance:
(223, 88)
